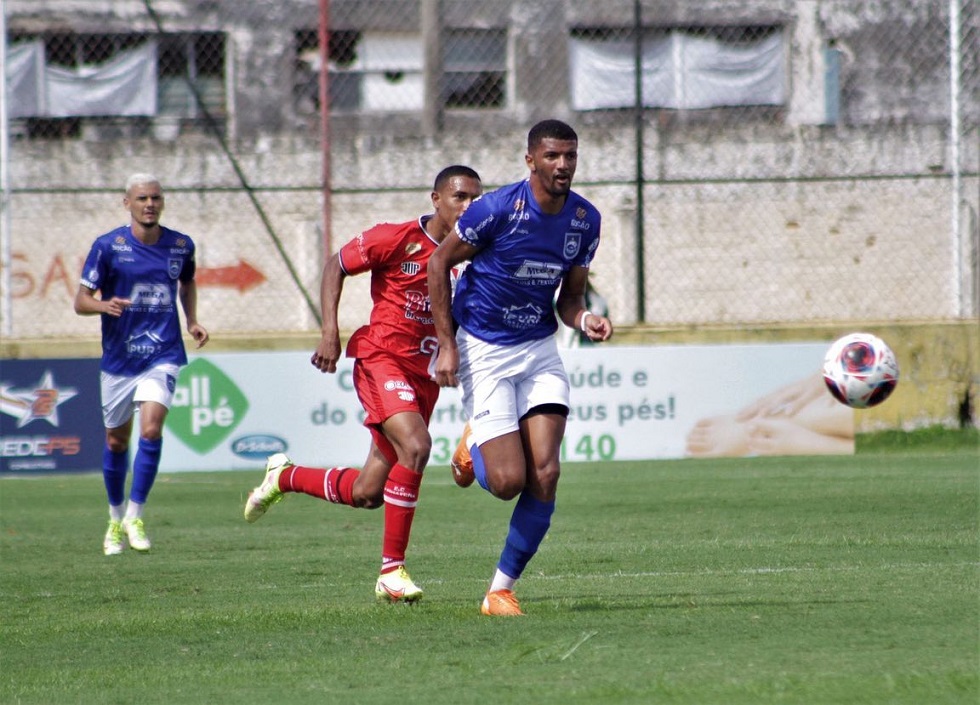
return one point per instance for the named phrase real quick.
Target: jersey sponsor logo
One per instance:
(518, 216)
(472, 232)
(541, 271)
(143, 344)
(182, 242)
(573, 242)
(418, 307)
(581, 224)
(121, 247)
(173, 267)
(178, 250)
(523, 317)
(411, 268)
(148, 295)
(580, 212)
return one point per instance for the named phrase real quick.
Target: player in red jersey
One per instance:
(393, 355)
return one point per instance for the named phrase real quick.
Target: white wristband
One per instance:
(581, 322)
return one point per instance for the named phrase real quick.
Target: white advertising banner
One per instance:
(628, 403)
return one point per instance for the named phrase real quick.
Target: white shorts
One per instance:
(121, 394)
(501, 383)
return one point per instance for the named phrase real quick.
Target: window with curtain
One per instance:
(681, 69)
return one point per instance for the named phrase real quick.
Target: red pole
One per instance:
(324, 95)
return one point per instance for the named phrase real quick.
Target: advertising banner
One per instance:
(50, 416)
(628, 403)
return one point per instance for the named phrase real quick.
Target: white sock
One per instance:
(502, 581)
(134, 510)
(116, 512)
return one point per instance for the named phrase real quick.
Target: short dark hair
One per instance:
(455, 170)
(550, 129)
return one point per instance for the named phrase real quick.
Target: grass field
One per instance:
(771, 580)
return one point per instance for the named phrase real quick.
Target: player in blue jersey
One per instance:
(140, 271)
(497, 336)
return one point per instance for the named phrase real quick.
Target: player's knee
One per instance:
(415, 453)
(367, 500)
(506, 486)
(117, 445)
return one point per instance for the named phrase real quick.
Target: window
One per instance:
(63, 85)
(684, 69)
(380, 72)
(474, 68)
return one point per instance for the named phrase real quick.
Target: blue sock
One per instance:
(479, 467)
(528, 525)
(145, 467)
(114, 466)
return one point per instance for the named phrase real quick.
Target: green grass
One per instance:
(772, 580)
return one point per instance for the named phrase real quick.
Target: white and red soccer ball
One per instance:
(860, 370)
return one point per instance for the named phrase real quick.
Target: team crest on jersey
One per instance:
(173, 267)
(573, 241)
(411, 268)
(412, 247)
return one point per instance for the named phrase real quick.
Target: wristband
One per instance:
(581, 323)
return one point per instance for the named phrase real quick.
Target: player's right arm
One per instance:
(86, 304)
(331, 285)
(451, 251)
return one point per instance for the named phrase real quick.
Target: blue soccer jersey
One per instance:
(148, 332)
(505, 296)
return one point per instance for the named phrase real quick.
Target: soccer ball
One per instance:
(860, 370)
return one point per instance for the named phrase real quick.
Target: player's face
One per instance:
(552, 163)
(455, 196)
(145, 204)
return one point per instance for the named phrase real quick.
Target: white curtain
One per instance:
(125, 85)
(25, 79)
(680, 71)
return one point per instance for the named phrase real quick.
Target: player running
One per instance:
(525, 241)
(393, 360)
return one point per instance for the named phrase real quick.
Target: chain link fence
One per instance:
(759, 162)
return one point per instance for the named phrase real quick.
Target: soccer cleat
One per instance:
(268, 493)
(113, 544)
(501, 603)
(397, 586)
(136, 533)
(462, 462)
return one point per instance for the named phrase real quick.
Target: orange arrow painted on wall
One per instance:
(242, 276)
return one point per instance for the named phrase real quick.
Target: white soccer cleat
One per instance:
(136, 533)
(397, 586)
(113, 544)
(268, 493)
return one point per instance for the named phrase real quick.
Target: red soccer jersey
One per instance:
(397, 255)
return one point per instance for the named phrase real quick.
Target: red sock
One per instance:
(333, 484)
(401, 496)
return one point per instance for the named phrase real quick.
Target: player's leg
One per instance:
(154, 394)
(117, 415)
(542, 398)
(405, 435)
(336, 484)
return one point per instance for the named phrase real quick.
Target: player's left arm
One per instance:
(187, 292)
(571, 308)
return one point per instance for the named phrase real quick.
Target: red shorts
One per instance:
(385, 389)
